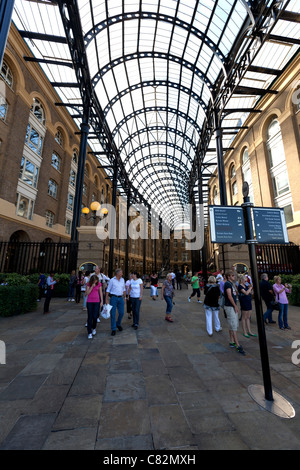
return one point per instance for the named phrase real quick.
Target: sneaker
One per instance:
(98, 320)
(72, 300)
(199, 301)
(189, 299)
(240, 350)
(93, 332)
(90, 336)
(232, 345)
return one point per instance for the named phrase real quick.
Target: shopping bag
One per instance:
(105, 313)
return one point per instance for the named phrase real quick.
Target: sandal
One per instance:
(169, 319)
(246, 336)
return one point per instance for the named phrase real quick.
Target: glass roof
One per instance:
(157, 68)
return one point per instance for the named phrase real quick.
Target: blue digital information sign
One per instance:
(227, 224)
(270, 226)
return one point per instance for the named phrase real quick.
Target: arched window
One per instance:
(246, 171)
(215, 196)
(6, 74)
(278, 169)
(75, 156)
(59, 137)
(56, 161)
(38, 111)
(3, 108)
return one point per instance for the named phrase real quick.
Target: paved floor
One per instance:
(162, 387)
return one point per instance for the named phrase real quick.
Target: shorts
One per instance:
(232, 318)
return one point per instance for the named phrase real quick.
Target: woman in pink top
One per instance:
(280, 292)
(94, 301)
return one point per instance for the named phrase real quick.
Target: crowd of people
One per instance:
(223, 291)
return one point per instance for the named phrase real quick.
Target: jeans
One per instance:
(84, 300)
(268, 312)
(282, 315)
(93, 312)
(169, 304)
(136, 304)
(71, 292)
(48, 298)
(116, 303)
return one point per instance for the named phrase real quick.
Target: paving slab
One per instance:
(161, 387)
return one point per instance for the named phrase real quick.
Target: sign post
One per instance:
(258, 307)
(235, 225)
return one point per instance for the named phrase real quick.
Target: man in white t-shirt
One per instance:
(135, 293)
(116, 290)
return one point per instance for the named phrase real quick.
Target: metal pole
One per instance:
(127, 241)
(113, 222)
(80, 179)
(220, 159)
(258, 307)
(6, 11)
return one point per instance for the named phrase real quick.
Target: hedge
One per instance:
(17, 300)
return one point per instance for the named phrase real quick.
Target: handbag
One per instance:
(275, 304)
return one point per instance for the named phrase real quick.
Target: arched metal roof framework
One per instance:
(169, 83)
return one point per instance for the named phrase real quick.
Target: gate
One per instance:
(29, 257)
(278, 259)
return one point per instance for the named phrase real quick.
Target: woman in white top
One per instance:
(135, 293)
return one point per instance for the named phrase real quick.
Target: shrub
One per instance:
(17, 300)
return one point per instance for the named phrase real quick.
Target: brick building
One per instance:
(266, 154)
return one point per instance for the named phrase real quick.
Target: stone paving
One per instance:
(164, 386)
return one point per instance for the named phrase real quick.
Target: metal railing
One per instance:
(29, 257)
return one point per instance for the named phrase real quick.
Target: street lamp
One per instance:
(95, 206)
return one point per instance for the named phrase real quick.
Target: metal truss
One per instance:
(158, 85)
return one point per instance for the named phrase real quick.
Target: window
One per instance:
(278, 168)
(86, 171)
(56, 161)
(75, 156)
(52, 188)
(6, 74)
(84, 189)
(70, 202)
(38, 111)
(232, 171)
(49, 219)
(215, 195)
(34, 140)
(288, 212)
(3, 108)
(93, 197)
(72, 180)
(59, 138)
(68, 226)
(275, 144)
(234, 189)
(281, 184)
(29, 172)
(24, 207)
(246, 171)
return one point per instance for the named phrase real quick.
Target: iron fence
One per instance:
(278, 259)
(29, 257)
